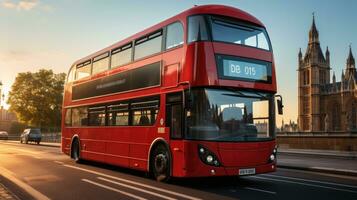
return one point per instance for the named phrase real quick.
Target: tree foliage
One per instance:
(36, 98)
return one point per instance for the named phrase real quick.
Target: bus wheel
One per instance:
(75, 151)
(160, 163)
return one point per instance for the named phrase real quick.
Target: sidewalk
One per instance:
(326, 153)
(334, 162)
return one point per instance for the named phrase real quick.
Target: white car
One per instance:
(4, 135)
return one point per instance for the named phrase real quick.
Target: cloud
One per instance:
(20, 5)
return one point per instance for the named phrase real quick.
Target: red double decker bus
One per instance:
(191, 96)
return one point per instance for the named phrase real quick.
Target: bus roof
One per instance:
(204, 9)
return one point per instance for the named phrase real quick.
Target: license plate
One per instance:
(248, 171)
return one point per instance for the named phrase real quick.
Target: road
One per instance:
(48, 174)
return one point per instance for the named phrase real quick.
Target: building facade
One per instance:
(325, 105)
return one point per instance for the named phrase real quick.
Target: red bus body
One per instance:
(187, 66)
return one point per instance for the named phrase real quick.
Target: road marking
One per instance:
(59, 162)
(27, 151)
(260, 190)
(305, 184)
(134, 183)
(334, 169)
(138, 189)
(114, 189)
(313, 181)
(30, 190)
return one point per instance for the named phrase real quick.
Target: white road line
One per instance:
(334, 169)
(30, 190)
(260, 190)
(59, 162)
(305, 184)
(138, 189)
(114, 189)
(34, 154)
(135, 183)
(312, 181)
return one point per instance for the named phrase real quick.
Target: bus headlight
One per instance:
(209, 159)
(207, 156)
(272, 157)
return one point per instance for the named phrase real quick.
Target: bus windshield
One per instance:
(226, 115)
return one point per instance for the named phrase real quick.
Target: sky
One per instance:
(50, 34)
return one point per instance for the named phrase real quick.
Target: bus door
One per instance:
(174, 115)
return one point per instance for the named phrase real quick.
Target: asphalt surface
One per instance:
(43, 172)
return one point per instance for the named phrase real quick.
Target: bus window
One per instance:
(148, 45)
(121, 56)
(97, 116)
(197, 30)
(71, 75)
(100, 63)
(144, 113)
(79, 116)
(174, 35)
(118, 115)
(83, 70)
(68, 118)
(232, 31)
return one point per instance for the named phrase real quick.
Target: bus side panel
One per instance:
(178, 158)
(138, 147)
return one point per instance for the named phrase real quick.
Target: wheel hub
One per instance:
(160, 163)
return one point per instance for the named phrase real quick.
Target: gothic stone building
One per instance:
(325, 105)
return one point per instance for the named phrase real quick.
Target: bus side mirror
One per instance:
(279, 102)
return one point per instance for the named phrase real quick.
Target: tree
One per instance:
(36, 98)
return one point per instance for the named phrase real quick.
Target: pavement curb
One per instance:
(21, 184)
(7, 194)
(321, 170)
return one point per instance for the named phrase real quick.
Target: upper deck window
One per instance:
(121, 55)
(83, 69)
(100, 63)
(148, 45)
(71, 75)
(235, 32)
(174, 35)
(197, 28)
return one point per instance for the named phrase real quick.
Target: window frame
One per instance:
(127, 109)
(122, 48)
(166, 34)
(68, 110)
(97, 109)
(148, 104)
(132, 105)
(81, 65)
(99, 58)
(146, 38)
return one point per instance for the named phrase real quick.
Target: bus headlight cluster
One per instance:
(272, 156)
(207, 156)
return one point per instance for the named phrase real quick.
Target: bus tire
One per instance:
(75, 154)
(160, 163)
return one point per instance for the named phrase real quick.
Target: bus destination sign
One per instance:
(243, 69)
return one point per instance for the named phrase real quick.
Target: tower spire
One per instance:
(313, 34)
(350, 59)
